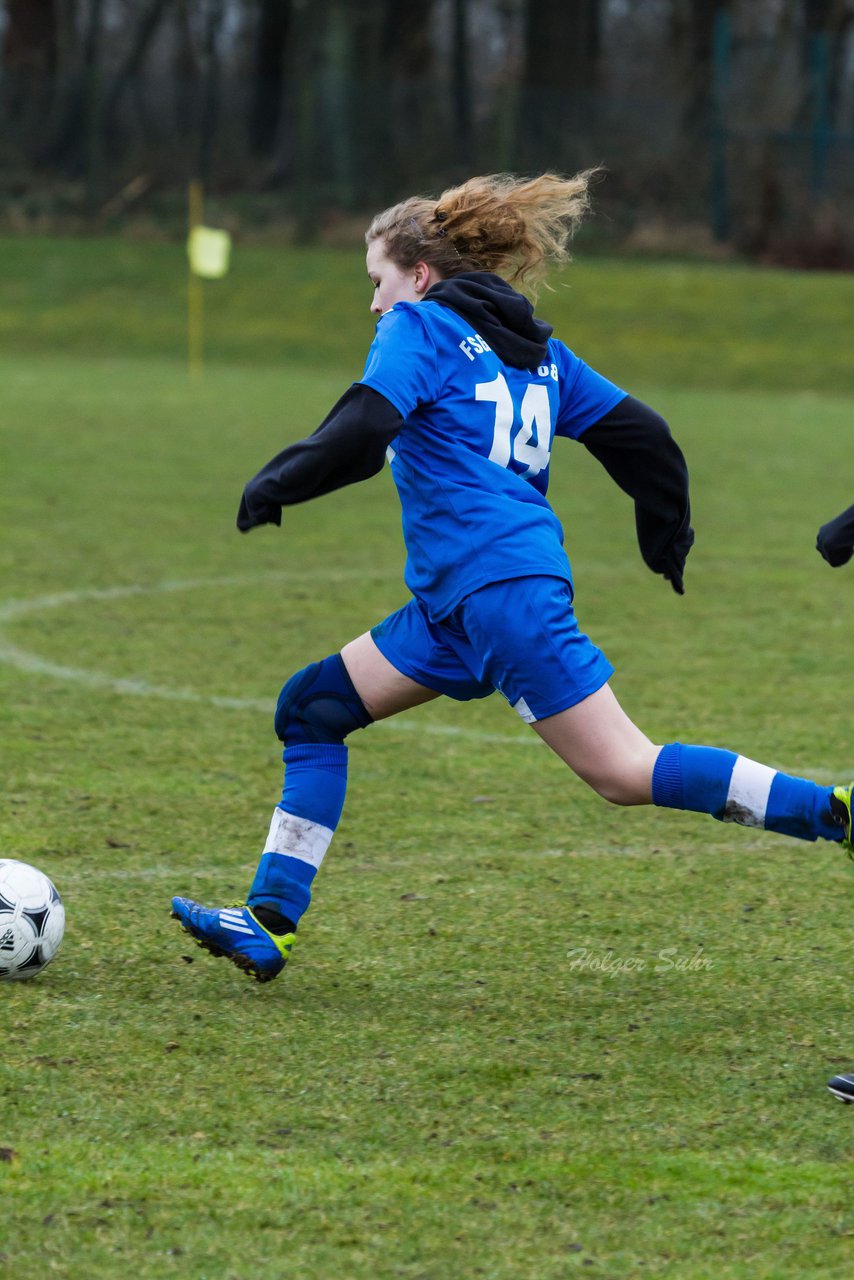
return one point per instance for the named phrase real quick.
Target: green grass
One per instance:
(437, 1087)
(661, 324)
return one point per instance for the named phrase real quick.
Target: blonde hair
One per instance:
(516, 227)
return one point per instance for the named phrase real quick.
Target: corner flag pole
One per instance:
(195, 289)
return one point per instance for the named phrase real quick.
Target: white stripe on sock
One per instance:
(298, 838)
(749, 788)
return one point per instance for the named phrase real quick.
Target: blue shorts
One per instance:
(519, 637)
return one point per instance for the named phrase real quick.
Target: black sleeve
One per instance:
(635, 447)
(349, 445)
(835, 539)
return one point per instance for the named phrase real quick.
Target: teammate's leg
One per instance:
(601, 744)
(317, 708)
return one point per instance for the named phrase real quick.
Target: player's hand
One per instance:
(674, 577)
(664, 547)
(834, 540)
(673, 560)
(252, 515)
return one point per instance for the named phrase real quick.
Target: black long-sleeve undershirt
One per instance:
(349, 445)
(631, 441)
(635, 447)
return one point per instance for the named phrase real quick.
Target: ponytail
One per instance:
(515, 227)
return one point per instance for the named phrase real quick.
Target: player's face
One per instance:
(391, 283)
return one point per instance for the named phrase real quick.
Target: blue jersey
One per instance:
(471, 463)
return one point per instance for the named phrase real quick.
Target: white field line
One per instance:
(171, 871)
(31, 663)
(23, 660)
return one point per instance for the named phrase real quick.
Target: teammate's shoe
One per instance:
(840, 805)
(235, 933)
(842, 1087)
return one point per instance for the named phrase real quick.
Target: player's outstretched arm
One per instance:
(349, 445)
(635, 447)
(835, 541)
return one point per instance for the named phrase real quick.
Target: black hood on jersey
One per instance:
(498, 313)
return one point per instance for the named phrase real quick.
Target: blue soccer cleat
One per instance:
(235, 933)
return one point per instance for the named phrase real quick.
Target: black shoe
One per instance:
(840, 807)
(842, 1087)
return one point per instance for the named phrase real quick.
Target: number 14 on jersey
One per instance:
(531, 446)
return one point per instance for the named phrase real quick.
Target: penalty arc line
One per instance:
(33, 664)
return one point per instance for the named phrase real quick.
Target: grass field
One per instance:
(523, 1035)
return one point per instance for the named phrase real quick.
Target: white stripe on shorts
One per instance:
(297, 838)
(749, 788)
(521, 708)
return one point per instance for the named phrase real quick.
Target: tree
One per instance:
(559, 80)
(391, 72)
(463, 120)
(365, 109)
(825, 24)
(693, 25)
(129, 68)
(212, 19)
(91, 138)
(30, 57)
(273, 30)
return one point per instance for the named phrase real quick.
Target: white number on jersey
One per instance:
(536, 425)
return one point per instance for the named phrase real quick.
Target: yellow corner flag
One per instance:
(209, 252)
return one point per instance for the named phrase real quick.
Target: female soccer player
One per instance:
(466, 390)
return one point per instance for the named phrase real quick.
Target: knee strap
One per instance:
(319, 704)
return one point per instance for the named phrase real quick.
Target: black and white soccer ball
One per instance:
(32, 920)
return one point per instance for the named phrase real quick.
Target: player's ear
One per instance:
(423, 278)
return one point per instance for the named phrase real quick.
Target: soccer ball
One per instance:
(32, 920)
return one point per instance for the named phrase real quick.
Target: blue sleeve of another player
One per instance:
(402, 364)
(585, 396)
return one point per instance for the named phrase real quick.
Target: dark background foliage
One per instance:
(719, 123)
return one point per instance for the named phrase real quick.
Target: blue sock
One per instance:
(302, 827)
(315, 711)
(734, 789)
